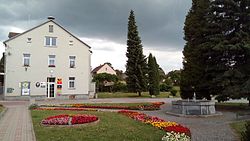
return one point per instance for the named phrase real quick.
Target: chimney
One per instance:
(12, 34)
(51, 18)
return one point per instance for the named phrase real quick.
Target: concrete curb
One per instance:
(33, 132)
(194, 116)
(3, 112)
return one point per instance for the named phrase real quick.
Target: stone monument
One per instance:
(193, 107)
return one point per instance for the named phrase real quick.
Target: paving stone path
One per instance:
(203, 129)
(16, 123)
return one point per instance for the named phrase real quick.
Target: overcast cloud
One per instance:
(103, 25)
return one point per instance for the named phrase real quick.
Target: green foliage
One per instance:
(165, 87)
(173, 92)
(193, 64)
(101, 78)
(217, 51)
(246, 135)
(2, 63)
(174, 77)
(120, 87)
(153, 76)
(33, 106)
(136, 66)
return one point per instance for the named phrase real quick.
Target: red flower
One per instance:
(178, 129)
(69, 119)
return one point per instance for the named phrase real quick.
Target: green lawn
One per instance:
(112, 126)
(239, 127)
(116, 104)
(232, 106)
(131, 95)
(1, 108)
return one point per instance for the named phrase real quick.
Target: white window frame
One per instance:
(26, 56)
(51, 28)
(73, 60)
(72, 81)
(50, 39)
(52, 58)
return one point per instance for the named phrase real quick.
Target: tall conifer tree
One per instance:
(153, 76)
(136, 64)
(195, 31)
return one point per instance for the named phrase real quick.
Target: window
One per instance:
(71, 43)
(29, 40)
(52, 59)
(71, 82)
(72, 60)
(51, 28)
(26, 59)
(50, 41)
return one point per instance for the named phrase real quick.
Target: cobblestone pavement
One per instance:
(16, 124)
(203, 129)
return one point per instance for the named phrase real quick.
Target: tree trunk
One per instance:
(139, 93)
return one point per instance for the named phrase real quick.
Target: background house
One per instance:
(105, 68)
(46, 61)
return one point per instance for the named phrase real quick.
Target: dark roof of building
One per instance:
(12, 34)
(49, 20)
(97, 68)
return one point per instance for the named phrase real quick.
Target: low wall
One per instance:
(193, 107)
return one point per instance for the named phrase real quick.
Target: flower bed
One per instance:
(69, 119)
(148, 106)
(62, 108)
(170, 127)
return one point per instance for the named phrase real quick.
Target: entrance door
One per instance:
(51, 87)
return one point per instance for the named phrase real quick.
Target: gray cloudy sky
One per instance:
(103, 25)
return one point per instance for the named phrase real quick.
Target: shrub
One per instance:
(120, 87)
(173, 92)
(245, 136)
(165, 87)
(33, 106)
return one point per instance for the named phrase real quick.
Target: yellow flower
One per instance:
(163, 124)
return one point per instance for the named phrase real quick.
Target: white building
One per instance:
(46, 61)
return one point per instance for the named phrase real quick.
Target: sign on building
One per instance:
(25, 87)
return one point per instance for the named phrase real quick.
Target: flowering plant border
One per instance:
(66, 120)
(167, 126)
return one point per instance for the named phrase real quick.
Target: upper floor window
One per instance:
(72, 60)
(52, 60)
(29, 40)
(71, 82)
(26, 59)
(50, 41)
(71, 43)
(51, 28)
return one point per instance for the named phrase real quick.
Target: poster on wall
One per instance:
(25, 87)
(59, 87)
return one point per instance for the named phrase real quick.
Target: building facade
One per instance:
(47, 61)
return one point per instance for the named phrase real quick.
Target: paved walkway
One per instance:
(16, 123)
(203, 129)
